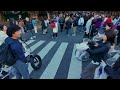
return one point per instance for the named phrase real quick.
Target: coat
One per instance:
(17, 48)
(99, 53)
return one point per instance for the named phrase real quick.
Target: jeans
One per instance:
(80, 28)
(68, 31)
(35, 28)
(44, 31)
(61, 27)
(21, 70)
(74, 30)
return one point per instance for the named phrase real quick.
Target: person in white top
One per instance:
(88, 24)
(3, 34)
(80, 23)
(115, 20)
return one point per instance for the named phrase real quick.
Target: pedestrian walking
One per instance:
(54, 26)
(34, 23)
(61, 22)
(80, 23)
(29, 28)
(75, 25)
(44, 26)
(68, 25)
(88, 26)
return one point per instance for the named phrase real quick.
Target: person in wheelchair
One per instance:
(98, 51)
(20, 65)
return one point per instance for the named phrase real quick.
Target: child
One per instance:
(54, 25)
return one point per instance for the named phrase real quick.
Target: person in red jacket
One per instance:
(109, 20)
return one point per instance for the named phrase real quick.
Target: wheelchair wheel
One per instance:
(36, 62)
(83, 58)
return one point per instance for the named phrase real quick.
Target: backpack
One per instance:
(53, 25)
(43, 25)
(6, 55)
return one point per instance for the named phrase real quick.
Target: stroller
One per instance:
(34, 60)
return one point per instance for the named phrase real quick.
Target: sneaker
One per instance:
(73, 35)
(34, 36)
(31, 38)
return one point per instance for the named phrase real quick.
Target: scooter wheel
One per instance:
(36, 62)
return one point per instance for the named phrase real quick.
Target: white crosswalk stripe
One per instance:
(46, 49)
(30, 41)
(75, 67)
(52, 67)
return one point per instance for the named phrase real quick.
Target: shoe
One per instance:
(73, 35)
(34, 36)
(31, 38)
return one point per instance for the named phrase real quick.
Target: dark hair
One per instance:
(1, 27)
(110, 25)
(12, 29)
(93, 21)
(110, 36)
(91, 16)
(109, 16)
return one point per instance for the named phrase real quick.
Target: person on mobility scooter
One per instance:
(15, 56)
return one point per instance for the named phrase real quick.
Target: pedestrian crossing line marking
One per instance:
(30, 41)
(46, 49)
(52, 67)
(36, 45)
(32, 49)
(75, 68)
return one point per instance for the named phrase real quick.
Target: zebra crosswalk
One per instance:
(50, 68)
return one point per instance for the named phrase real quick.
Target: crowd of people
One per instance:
(91, 23)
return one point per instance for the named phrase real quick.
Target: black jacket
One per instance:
(28, 25)
(68, 23)
(114, 72)
(61, 20)
(75, 22)
(99, 53)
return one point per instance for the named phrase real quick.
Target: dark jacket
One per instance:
(43, 24)
(75, 22)
(28, 25)
(99, 53)
(16, 48)
(68, 23)
(113, 72)
(61, 20)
